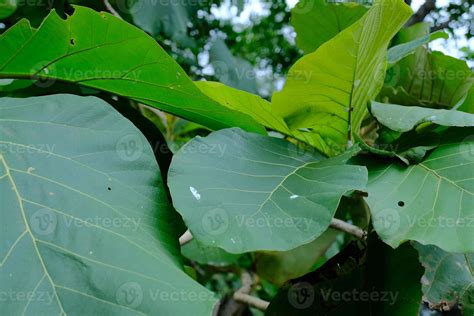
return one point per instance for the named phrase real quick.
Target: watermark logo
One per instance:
(43, 74)
(301, 295)
(387, 222)
(43, 222)
(215, 221)
(130, 147)
(129, 6)
(129, 294)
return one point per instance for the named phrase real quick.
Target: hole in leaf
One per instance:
(72, 41)
(401, 203)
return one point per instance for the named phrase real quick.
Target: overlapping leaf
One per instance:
(244, 192)
(448, 279)
(405, 118)
(356, 282)
(282, 266)
(426, 78)
(400, 51)
(317, 21)
(230, 70)
(98, 50)
(328, 90)
(86, 224)
(7, 7)
(253, 105)
(430, 202)
(160, 17)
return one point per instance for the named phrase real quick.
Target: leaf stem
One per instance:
(348, 228)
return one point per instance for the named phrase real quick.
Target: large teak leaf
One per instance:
(327, 91)
(244, 192)
(98, 50)
(86, 224)
(430, 202)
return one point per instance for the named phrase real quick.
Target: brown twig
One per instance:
(185, 238)
(422, 12)
(348, 228)
(242, 295)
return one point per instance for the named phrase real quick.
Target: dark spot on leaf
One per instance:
(72, 41)
(401, 203)
(109, 188)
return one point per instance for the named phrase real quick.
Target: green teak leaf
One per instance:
(7, 8)
(400, 51)
(466, 104)
(281, 266)
(253, 105)
(430, 202)
(230, 70)
(156, 17)
(448, 278)
(86, 224)
(244, 192)
(405, 118)
(425, 78)
(94, 50)
(213, 256)
(327, 91)
(356, 282)
(317, 21)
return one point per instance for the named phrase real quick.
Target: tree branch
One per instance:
(422, 12)
(242, 295)
(348, 228)
(441, 26)
(185, 238)
(111, 9)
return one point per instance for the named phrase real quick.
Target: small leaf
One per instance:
(230, 70)
(356, 282)
(405, 118)
(317, 21)
(425, 78)
(448, 278)
(7, 8)
(279, 267)
(212, 256)
(400, 51)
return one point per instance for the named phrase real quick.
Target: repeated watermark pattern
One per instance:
(45, 221)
